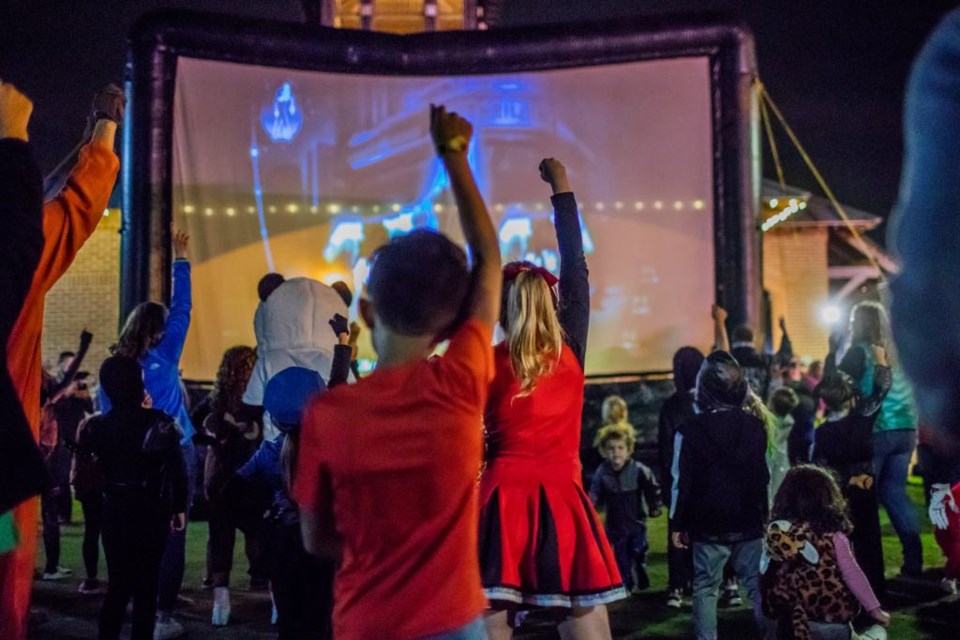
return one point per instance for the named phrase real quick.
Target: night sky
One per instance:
(837, 68)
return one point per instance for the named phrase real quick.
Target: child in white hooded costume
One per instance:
(292, 329)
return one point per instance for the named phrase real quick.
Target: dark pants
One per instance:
(134, 535)
(92, 504)
(866, 536)
(174, 554)
(60, 474)
(50, 515)
(630, 551)
(222, 537)
(679, 566)
(302, 587)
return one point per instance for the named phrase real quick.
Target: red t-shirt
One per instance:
(392, 461)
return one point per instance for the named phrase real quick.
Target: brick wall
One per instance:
(87, 296)
(795, 275)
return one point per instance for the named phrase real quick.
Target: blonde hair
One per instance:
(533, 330)
(755, 407)
(617, 431)
(614, 410)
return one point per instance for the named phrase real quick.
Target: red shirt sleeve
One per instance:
(466, 369)
(312, 490)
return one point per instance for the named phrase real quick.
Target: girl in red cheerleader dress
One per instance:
(541, 542)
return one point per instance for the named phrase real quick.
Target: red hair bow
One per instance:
(513, 269)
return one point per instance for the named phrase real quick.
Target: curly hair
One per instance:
(810, 494)
(234, 373)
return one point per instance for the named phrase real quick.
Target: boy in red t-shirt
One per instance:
(386, 476)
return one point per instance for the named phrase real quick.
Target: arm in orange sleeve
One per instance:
(72, 216)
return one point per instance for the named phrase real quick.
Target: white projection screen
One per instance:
(306, 173)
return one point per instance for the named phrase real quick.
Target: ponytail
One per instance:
(533, 330)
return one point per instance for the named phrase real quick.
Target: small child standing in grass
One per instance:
(622, 485)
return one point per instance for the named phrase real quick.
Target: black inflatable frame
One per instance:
(160, 39)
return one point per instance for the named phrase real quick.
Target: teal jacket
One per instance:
(898, 411)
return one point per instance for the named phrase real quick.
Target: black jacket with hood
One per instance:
(721, 488)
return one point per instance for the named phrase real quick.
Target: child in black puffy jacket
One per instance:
(137, 453)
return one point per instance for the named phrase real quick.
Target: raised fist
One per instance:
(339, 325)
(450, 132)
(15, 110)
(552, 171)
(718, 313)
(109, 104)
(181, 241)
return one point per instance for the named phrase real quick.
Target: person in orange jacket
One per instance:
(68, 220)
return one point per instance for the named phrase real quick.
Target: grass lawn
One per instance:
(919, 610)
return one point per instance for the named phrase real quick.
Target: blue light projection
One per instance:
(346, 237)
(506, 115)
(282, 120)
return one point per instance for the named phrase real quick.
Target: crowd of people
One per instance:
(441, 497)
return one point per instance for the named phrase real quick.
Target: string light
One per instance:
(188, 208)
(698, 204)
(395, 207)
(438, 208)
(314, 209)
(658, 205)
(774, 203)
(333, 209)
(678, 205)
(638, 205)
(292, 208)
(600, 206)
(618, 205)
(231, 211)
(498, 207)
(208, 211)
(251, 209)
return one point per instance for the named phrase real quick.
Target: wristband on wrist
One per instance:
(453, 145)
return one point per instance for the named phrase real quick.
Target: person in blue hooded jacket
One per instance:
(154, 336)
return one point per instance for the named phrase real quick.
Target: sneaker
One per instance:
(876, 632)
(167, 629)
(949, 586)
(675, 599)
(731, 597)
(90, 586)
(53, 576)
(221, 606)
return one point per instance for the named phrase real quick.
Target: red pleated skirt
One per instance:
(541, 542)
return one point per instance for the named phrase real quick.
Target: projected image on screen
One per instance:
(307, 173)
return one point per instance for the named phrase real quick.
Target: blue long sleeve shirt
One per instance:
(161, 365)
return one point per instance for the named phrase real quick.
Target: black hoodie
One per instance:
(137, 450)
(721, 488)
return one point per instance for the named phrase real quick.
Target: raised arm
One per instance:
(574, 306)
(178, 320)
(342, 352)
(721, 341)
(58, 389)
(72, 216)
(451, 135)
(786, 347)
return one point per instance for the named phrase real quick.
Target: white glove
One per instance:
(941, 498)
